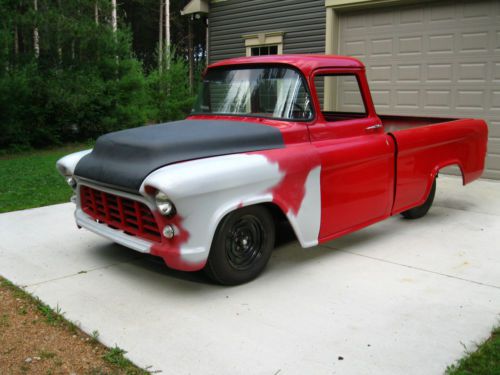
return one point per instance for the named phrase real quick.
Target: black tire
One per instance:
(418, 212)
(242, 246)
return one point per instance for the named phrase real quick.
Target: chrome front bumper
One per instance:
(135, 243)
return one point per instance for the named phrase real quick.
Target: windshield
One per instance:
(273, 92)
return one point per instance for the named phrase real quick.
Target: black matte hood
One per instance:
(126, 157)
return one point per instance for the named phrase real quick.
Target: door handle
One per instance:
(373, 127)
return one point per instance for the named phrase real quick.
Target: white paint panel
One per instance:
(218, 185)
(432, 58)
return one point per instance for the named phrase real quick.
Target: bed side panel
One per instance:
(423, 151)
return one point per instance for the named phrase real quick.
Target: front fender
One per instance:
(66, 165)
(206, 190)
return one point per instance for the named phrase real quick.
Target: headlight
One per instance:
(164, 204)
(71, 182)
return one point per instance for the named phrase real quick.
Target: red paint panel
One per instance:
(357, 181)
(127, 215)
(170, 249)
(422, 151)
(305, 63)
(136, 219)
(295, 162)
(292, 132)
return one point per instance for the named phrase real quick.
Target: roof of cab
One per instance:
(305, 63)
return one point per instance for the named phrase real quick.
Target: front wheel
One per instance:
(242, 246)
(418, 212)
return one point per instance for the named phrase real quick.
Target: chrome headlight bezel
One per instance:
(164, 205)
(71, 181)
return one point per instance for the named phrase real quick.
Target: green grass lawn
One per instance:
(484, 361)
(30, 179)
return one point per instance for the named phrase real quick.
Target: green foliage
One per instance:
(169, 90)
(116, 357)
(52, 316)
(31, 180)
(85, 81)
(485, 360)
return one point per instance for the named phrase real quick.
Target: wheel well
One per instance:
(284, 230)
(456, 165)
(276, 212)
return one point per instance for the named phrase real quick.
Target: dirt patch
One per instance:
(37, 340)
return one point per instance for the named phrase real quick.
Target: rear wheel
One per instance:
(418, 212)
(242, 246)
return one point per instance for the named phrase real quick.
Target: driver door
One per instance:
(357, 156)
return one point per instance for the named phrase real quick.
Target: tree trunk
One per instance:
(114, 22)
(190, 52)
(96, 12)
(207, 40)
(36, 37)
(114, 25)
(58, 40)
(167, 25)
(16, 41)
(160, 38)
(167, 33)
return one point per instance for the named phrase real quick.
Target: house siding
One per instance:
(303, 24)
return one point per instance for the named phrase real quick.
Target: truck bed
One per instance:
(393, 123)
(424, 145)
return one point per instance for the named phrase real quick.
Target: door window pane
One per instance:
(339, 93)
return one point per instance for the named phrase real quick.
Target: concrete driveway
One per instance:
(399, 297)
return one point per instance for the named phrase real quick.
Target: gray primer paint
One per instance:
(125, 158)
(303, 23)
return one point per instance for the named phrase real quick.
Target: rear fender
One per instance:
(424, 151)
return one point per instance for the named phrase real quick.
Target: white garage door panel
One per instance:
(436, 59)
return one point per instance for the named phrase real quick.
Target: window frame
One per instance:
(269, 46)
(305, 83)
(369, 111)
(268, 39)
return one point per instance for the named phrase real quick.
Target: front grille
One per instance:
(130, 216)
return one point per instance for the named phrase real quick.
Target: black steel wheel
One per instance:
(420, 211)
(242, 246)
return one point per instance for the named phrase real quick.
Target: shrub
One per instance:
(84, 83)
(169, 90)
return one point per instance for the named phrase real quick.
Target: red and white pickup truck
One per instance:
(270, 138)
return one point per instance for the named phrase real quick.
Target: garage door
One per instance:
(436, 59)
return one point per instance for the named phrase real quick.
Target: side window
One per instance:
(339, 96)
